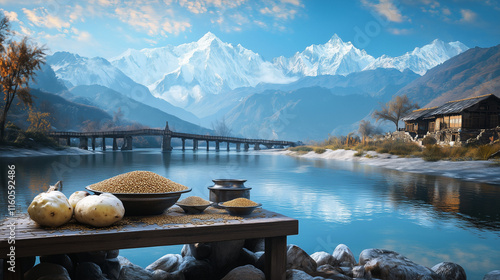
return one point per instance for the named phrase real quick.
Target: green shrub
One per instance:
(358, 154)
(319, 150)
(432, 153)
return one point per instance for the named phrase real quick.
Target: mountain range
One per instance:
(207, 80)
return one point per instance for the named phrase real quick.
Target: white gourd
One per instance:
(77, 196)
(51, 208)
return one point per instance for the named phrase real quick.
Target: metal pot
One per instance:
(227, 189)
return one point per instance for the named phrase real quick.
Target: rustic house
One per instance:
(457, 120)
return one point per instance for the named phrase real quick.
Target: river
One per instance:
(429, 219)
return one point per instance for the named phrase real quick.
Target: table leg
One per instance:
(275, 258)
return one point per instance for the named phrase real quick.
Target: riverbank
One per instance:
(477, 171)
(12, 152)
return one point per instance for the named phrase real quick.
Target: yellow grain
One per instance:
(240, 202)
(193, 201)
(138, 182)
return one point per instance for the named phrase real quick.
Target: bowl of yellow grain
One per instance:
(141, 192)
(240, 206)
(193, 204)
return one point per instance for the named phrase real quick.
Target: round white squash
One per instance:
(99, 210)
(50, 208)
(77, 196)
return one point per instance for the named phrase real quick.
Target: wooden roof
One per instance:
(450, 107)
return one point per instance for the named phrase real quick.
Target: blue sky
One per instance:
(271, 28)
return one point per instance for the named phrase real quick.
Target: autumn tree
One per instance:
(18, 63)
(366, 129)
(395, 110)
(39, 121)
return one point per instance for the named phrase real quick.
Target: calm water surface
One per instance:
(429, 219)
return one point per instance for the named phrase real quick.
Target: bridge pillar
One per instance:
(183, 144)
(115, 145)
(256, 147)
(208, 145)
(217, 145)
(93, 143)
(127, 143)
(228, 146)
(195, 144)
(84, 143)
(238, 146)
(68, 141)
(246, 146)
(103, 143)
(166, 144)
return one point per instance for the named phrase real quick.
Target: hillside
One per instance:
(472, 73)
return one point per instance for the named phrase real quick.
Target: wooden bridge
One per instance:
(167, 136)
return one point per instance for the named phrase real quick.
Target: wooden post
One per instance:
(84, 143)
(246, 146)
(217, 145)
(115, 145)
(183, 144)
(103, 143)
(208, 145)
(166, 145)
(238, 146)
(275, 258)
(93, 143)
(127, 143)
(68, 141)
(228, 146)
(256, 147)
(195, 144)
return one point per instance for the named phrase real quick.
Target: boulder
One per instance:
(256, 244)
(87, 271)
(194, 269)
(343, 256)
(295, 274)
(163, 275)
(299, 259)
(133, 271)
(111, 268)
(247, 257)
(112, 254)
(450, 271)
(322, 258)
(493, 275)
(247, 272)
(389, 265)
(168, 263)
(329, 272)
(359, 272)
(200, 251)
(61, 259)
(124, 261)
(47, 271)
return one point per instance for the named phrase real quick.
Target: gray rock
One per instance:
(133, 271)
(346, 270)
(493, 275)
(450, 271)
(329, 272)
(225, 253)
(47, 270)
(247, 257)
(256, 244)
(389, 265)
(194, 269)
(111, 254)
(200, 251)
(295, 274)
(111, 268)
(61, 259)
(163, 275)
(88, 271)
(322, 258)
(299, 259)
(124, 261)
(247, 272)
(359, 272)
(168, 263)
(343, 256)
(185, 251)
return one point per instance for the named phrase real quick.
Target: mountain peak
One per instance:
(335, 39)
(208, 37)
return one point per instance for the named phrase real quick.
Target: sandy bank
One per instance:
(10, 152)
(477, 171)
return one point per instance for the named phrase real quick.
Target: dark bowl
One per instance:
(144, 204)
(239, 210)
(193, 209)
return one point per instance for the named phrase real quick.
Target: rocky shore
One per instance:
(241, 260)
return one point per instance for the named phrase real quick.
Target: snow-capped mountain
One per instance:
(185, 74)
(333, 58)
(75, 70)
(420, 59)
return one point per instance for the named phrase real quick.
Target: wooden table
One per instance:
(136, 232)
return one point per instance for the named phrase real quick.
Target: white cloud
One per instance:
(399, 31)
(385, 8)
(467, 16)
(77, 14)
(82, 36)
(12, 16)
(41, 17)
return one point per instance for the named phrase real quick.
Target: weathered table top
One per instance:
(171, 228)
